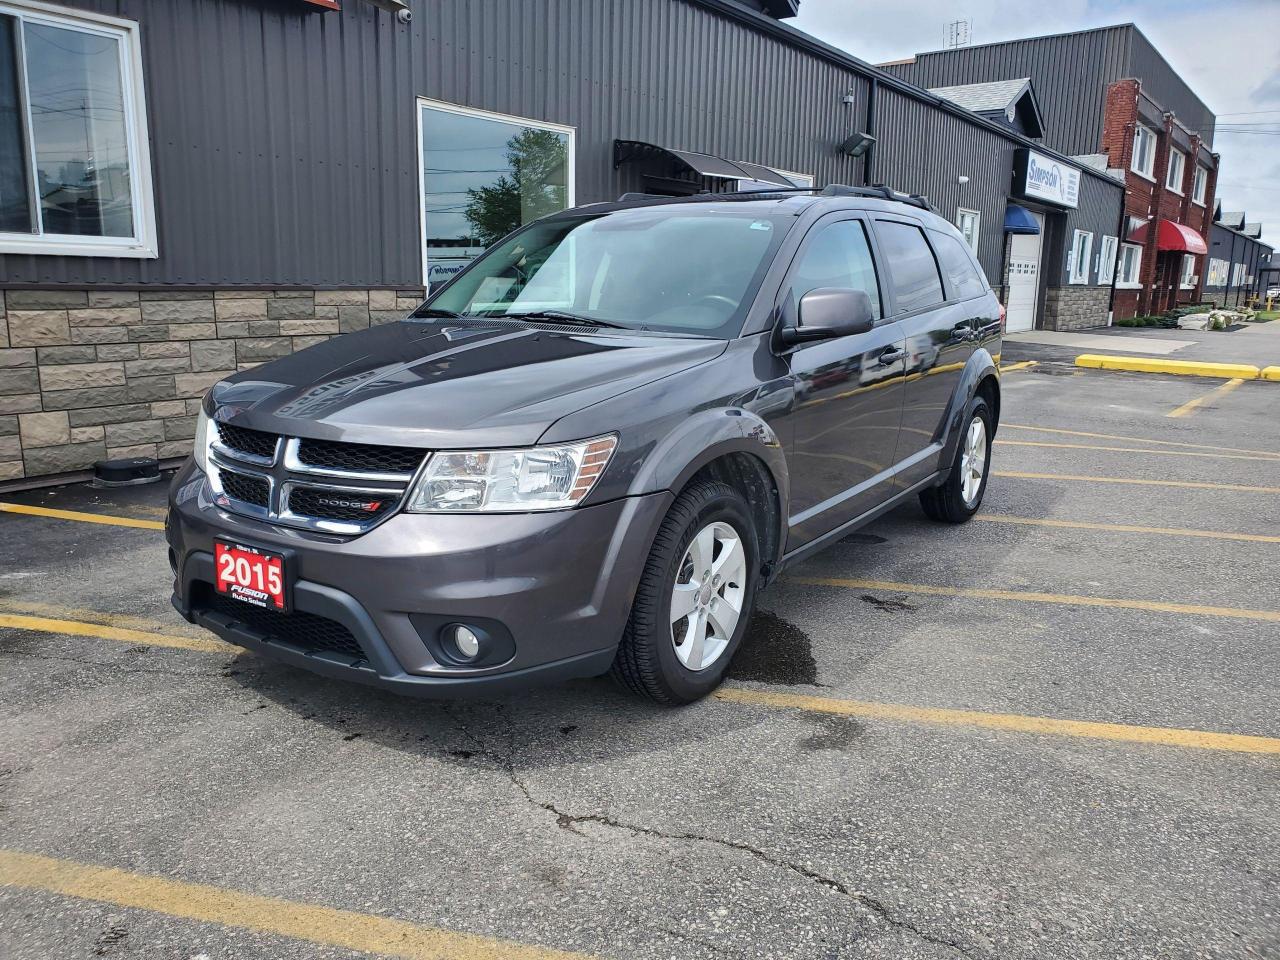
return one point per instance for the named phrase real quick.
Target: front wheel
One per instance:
(959, 498)
(695, 597)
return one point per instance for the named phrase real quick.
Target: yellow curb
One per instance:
(1270, 373)
(1189, 368)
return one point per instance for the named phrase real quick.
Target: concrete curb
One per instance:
(1189, 368)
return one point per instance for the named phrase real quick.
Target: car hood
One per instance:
(449, 385)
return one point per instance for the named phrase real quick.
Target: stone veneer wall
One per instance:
(1076, 307)
(88, 375)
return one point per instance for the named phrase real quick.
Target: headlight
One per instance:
(204, 435)
(511, 481)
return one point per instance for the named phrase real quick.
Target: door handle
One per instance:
(892, 355)
(964, 331)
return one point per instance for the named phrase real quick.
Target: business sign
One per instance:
(1037, 176)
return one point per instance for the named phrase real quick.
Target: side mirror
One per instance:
(830, 312)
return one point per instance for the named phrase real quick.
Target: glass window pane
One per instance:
(483, 178)
(958, 266)
(838, 255)
(915, 273)
(15, 199)
(78, 128)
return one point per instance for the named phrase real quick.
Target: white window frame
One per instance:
(142, 245)
(1077, 259)
(1199, 185)
(1176, 159)
(425, 103)
(1107, 251)
(1187, 276)
(1123, 282)
(963, 212)
(1148, 169)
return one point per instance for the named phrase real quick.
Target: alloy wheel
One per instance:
(708, 594)
(973, 461)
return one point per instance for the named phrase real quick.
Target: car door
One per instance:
(849, 390)
(939, 337)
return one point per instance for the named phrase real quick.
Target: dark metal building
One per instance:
(266, 173)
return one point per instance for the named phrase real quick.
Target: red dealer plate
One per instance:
(251, 575)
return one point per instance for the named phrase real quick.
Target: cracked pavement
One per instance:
(581, 819)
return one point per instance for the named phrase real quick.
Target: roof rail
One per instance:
(878, 191)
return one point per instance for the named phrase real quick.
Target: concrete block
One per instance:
(8, 426)
(241, 309)
(134, 432)
(149, 332)
(170, 348)
(266, 348)
(105, 317)
(75, 376)
(337, 298)
(351, 319)
(36, 328)
(10, 449)
(117, 351)
(51, 356)
(174, 448)
(45, 299)
(167, 408)
(241, 294)
(264, 328)
(156, 367)
(18, 380)
(113, 298)
(146, 389)
(44, 429)
(116, 414)
(85, 397)
(301, 343)
(180, 428)
(377, 317)
(12, 470)
(20, 357)
(212, 355)
(87, 434)
(292, 308)
(21, 403)
(133, 450)
(195, 384)
(192, 331)
(71, 456)
(311, 326)
(101, 334)
(177, 311)
(382, 299)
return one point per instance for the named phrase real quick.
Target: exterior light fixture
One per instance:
(858, 144)
(962, 179)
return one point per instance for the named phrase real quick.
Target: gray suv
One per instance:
(592, 448)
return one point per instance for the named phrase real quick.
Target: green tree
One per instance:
(535, 187)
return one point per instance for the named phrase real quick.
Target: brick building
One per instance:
(1109, 92)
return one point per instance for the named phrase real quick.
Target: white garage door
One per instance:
(1024, 279)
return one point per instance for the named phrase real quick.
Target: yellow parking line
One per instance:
(1015, 723)
(126, 620)
(327, 926)
(1151, 453)
(1114, 436)
(76, 628)
(1125, 528)
(1018, 366)
(1085, 478)
(1191, 406)
(1029, 596)
(82, 517)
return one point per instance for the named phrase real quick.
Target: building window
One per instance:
(75, 168)
(968, 222)
(1187, 280)
(1107, 261)
(1130, 266)
(484, 175)
(1144, 151)
(1199, 185)
(1237, 274)
(1078, 260)
(1177, 168)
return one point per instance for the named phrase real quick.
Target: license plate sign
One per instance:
(251, 575)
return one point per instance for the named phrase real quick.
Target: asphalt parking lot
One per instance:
(1051, 732)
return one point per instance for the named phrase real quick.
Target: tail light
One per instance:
(1002, 319)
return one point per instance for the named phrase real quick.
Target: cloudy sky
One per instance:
(1227, 50)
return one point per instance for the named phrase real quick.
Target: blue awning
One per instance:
(1019, 220)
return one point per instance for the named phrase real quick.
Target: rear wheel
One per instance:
(695, 597)
(959, 498)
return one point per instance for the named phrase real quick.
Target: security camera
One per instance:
(405, 15)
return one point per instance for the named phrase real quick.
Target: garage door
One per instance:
(1024, 279)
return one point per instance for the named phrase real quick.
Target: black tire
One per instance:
(946, 502)
(646, 662)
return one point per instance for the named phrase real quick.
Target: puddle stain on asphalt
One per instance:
(868, 539)
(775, 652)
(834, 732)
(888, 606)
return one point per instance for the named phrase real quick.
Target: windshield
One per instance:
(680, 271)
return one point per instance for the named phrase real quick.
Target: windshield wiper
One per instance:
(569, 319)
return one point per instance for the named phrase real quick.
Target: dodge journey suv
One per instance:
(591, 449)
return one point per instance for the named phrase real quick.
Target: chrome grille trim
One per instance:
(286, 472)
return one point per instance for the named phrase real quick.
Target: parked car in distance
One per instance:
(586, 454)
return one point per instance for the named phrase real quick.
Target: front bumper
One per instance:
(558, 585)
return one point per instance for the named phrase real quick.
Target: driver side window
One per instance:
(837, 255)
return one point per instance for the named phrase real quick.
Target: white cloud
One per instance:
(1218, 48)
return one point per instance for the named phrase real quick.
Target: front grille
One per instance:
(306, 631)
(242, 440)
(341, 505)
(247, 489)
(358, 457)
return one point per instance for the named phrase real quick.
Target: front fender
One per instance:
(704, 437)
(980, 366)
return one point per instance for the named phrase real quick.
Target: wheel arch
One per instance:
(981, 375)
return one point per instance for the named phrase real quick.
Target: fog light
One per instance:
(466, 642)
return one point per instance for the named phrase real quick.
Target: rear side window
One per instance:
(837, 255)
(916, 283)
(958, 267)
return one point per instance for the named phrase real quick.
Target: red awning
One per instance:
(1172, 236)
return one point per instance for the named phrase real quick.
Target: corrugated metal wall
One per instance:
(284, 138)
(1070, 73)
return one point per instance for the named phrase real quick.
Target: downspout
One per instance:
(868, 159)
